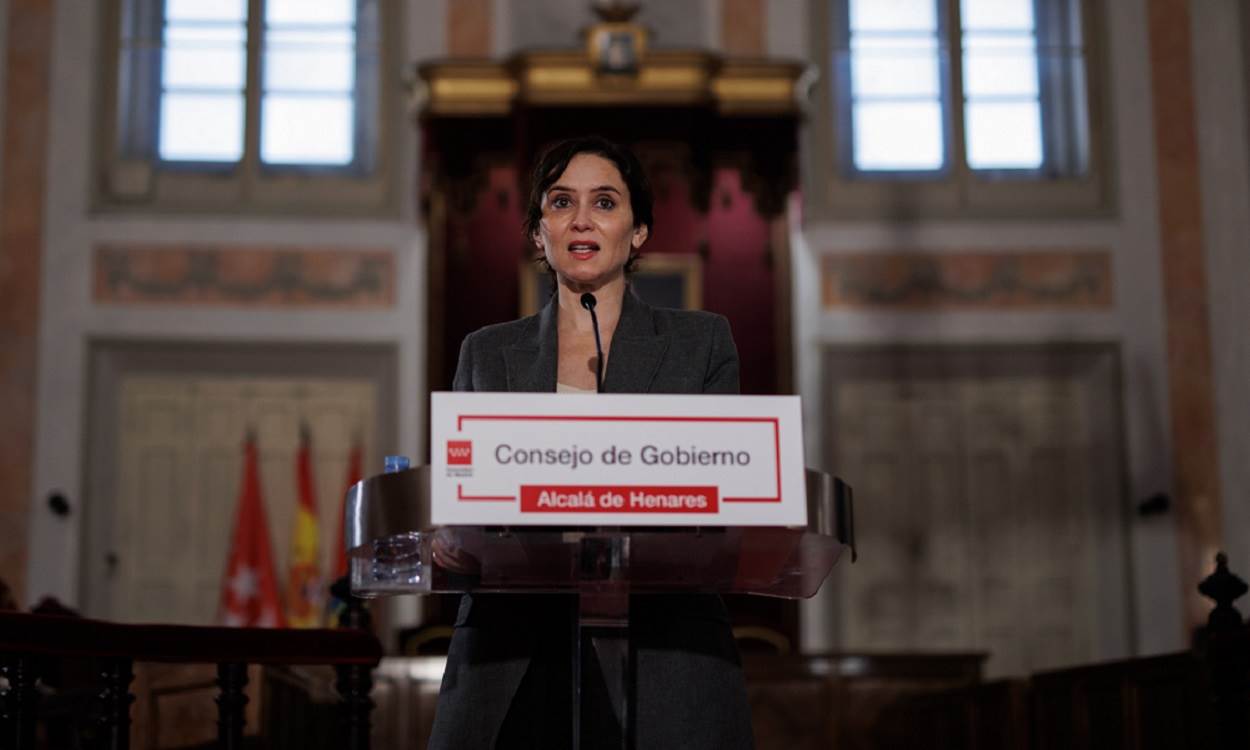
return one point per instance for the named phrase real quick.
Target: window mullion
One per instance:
(360, 134)
(1053, 80)
(152, 25)
(955, 88)
(252, 114)
(1089, 153)
(841, 91)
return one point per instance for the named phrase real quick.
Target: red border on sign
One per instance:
(776, 423)
(501, 498)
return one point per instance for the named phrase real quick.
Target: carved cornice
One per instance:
(564, 78)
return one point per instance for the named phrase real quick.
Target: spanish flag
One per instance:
(305, 590)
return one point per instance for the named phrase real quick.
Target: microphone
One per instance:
(589, 302)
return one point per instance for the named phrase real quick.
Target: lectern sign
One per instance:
(616, 460)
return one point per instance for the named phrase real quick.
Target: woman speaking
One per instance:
(508, 682)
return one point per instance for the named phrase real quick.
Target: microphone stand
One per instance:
(589, 302)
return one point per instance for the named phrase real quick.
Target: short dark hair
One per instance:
(555, 159)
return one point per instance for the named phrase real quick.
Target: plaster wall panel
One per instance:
(678, 24)
(785, 29)
(743, 27)
(427, 28)
(558, 23)
(469, 28)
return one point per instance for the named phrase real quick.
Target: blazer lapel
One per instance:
(636, 350)
(531, 361)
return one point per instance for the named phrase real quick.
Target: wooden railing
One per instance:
(1198, 698)
(1195, 698)
(29, 643)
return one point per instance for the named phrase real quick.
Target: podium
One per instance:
(393, 549)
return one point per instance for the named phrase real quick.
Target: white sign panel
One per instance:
(616, 460)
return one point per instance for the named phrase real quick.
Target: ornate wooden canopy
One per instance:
(562, 78)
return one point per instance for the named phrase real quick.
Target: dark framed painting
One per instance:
(668, 280)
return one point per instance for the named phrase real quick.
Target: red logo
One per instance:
(460, 452)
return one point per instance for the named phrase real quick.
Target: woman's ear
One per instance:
(641, 232)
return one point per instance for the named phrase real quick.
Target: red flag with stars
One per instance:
(249, 591)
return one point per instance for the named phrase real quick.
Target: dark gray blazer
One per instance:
(653, 351)
(508, 669)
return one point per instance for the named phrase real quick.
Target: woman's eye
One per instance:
(560, 201)
(605, 203)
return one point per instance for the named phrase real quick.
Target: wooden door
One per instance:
(988, 505)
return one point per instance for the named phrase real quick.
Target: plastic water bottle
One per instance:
(396, 463)
(397, 565)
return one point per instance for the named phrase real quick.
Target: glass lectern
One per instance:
(395, 549)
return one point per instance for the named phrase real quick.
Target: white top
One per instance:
(566, 388)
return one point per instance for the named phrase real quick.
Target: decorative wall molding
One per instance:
(245, 276)
(969, 280)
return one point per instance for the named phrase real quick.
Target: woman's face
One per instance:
(587, 231)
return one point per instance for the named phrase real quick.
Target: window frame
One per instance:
(841, 76)
(836, 190)
(366, 187)
(363, 163)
